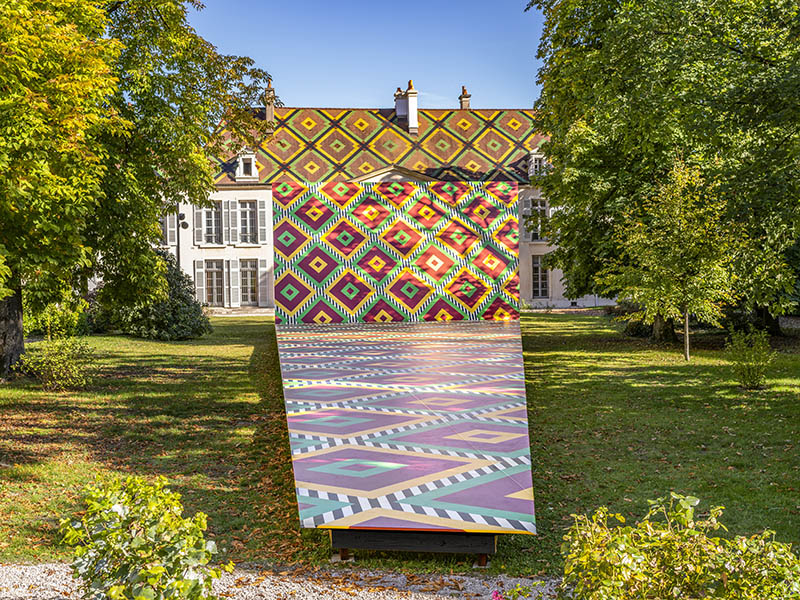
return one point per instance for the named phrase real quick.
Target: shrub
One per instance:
(133, 542)
(751, 356)
(179, 317)
(59, 363)
(58, 319)
(670, 554)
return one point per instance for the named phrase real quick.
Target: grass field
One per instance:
(614, 421)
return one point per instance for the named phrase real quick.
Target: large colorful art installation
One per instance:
(401, 356)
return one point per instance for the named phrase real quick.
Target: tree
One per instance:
(113, 115)
(626, 85)
(55, 72)
(676, 253)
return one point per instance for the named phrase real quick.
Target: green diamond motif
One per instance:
(340, 188)
(442, 145)
(337, 145)
(494, 145)
(409, 289)
(290, 292)
(344, 238)
(286, 238)
(350, 291)
(402, 237)
(459, 237)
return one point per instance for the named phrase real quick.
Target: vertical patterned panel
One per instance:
(234, 233)
(395, 251)
(235, 295)
(262, 221)
(199, 281)
(171, 228)
(264, 283)
(198, 225)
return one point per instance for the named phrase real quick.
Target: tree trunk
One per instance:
(663, 330)
(686, 334)
(12, 343)
(771, 324)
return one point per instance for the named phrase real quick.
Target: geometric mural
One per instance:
(395, 251)
(341, 144)
(409, 426)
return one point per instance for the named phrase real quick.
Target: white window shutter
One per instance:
(264, 283)
(226, 221)
(199, 282)
(234, 235)
(172, 220)
(235, 296)
(198, 225)
(262, 221)
(226, 283)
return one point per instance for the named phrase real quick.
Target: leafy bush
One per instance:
(751, 356)
(60, 363)
(58, 319)
(133, 542)
(670, 554)
(179, 317)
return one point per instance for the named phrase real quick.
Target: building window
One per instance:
(248, 220)
(213, 230)
(537, 165)
(214, 283)
(247, 167)
(540, 279)
(534, 215)
(248, 268)
(164, 230)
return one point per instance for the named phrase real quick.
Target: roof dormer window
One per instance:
(536, 164)
(246, 168)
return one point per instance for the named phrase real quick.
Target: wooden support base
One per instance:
(451, 542)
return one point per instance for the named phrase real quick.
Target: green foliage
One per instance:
(626, 85)
(133, 542)
(676, 252)
(750, 353)
(671, 554)
(60, 363)
(179, 317)
(66, 317)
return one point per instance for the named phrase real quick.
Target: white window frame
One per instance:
(212, 225)
(214, 282)
(526, 210)
(540, 279)
(246, 156)
(537, 164)
(250, 266)
(248, 222)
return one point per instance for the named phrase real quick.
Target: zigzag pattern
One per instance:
(415, 426)
(396, 251)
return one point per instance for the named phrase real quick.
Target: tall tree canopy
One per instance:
(109, 114)
(627, 86)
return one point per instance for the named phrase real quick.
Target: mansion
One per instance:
(228, 248)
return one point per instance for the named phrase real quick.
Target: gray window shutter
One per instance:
(264, 283)
(235, 298)
(234, 235)
(262, 221)
(199, 282)
(226, 221)
(198, 225)
(172, 220)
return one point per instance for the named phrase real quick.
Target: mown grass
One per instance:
(614, 421)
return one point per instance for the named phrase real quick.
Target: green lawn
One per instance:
(614, 421)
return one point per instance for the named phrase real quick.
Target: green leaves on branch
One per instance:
(133, 542)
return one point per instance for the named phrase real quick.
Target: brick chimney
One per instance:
(463, 99)
(406, 107)
(269, 102)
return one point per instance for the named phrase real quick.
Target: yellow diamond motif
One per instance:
(427, 212)
(315, 213)
(434, 262)
(481, 211)
(472, 165)
(361, 124)
(309, 123)
(383, 317)
(371, 213)
(443, 315)
(312, 168)
(322, 318)
(377, 263)
(420, 166)
(317, 264)
(514, 124)
(464, 124)
(491, 262)
(366, 168)
(502, 315)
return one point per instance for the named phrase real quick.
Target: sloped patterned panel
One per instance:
(397, 251)
(409, 426)
(312, 144)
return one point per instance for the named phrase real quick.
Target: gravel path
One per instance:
(54, 582)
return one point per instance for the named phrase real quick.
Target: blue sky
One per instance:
(343, 54)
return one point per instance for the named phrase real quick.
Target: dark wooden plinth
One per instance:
(452, 542)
